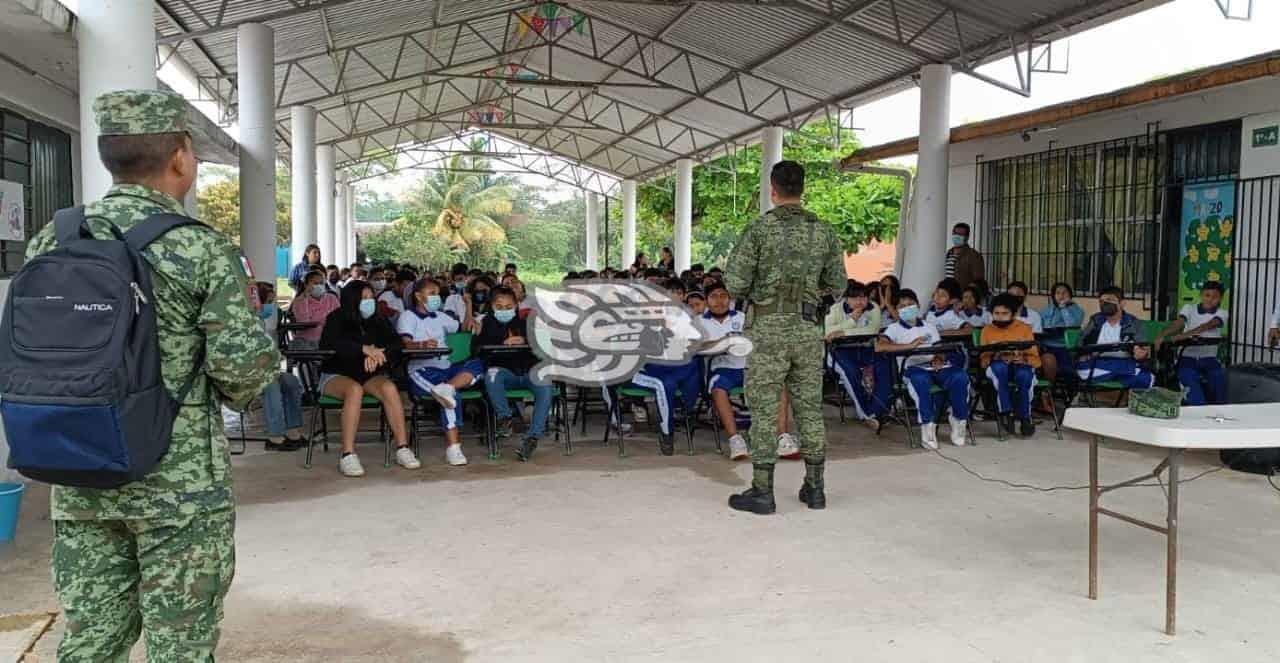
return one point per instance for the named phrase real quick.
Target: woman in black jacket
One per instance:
(365, 348)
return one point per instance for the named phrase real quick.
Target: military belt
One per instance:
(806, 311)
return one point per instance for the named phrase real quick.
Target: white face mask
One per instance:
(317, 291)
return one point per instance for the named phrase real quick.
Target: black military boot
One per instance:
(813, 491)
(759, 497)
(667, 444)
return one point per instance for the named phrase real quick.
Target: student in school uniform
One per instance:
(697, 302)
(425, 325)
(727, 371)
(857, 316)
(1012, 373)
(1025, 313)
(669, 383)
(922, 372)
(391, 301)
(971, 309)
(1199, 370)
(1113, 325)
(942, 313)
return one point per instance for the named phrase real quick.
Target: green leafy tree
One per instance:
(464, 204)
(218, 202)
(726, 194)
(376, 206)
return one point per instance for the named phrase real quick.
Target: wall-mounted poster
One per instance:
(12, 211)
(1208, 235)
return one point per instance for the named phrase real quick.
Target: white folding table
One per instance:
(1202, 427)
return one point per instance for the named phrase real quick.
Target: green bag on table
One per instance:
(1157, 403)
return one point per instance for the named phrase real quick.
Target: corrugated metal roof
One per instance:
(637, 84)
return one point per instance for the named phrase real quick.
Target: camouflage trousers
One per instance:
(788, 355)
(117, 578)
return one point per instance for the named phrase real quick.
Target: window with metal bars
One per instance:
(1086, 215)
(39, 158)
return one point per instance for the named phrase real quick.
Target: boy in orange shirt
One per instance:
(1013, 372)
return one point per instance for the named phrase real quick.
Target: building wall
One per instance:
(48, 103)
(1257, 102)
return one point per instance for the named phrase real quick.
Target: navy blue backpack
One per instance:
(81, 393)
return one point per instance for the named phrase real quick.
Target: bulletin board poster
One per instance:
(1208, 235)
(12, 211)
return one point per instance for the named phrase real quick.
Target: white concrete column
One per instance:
(684, 214)
(117, 51)
(339, 222)
(770, 155)
(592, 234)
(352, 248)
(927, 238)
(302, 129)
(628, 223)
(325, 201)
(255, 69)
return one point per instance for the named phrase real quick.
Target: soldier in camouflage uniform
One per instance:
(159, 553)
(781, 263)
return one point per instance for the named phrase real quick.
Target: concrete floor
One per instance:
(596, 558)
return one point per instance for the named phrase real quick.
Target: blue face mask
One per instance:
(504, 315)
(367, 308)
(959, 240)
(268, 311)
(433, 302)
(909, 314)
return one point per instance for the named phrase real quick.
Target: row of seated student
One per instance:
(900, 325)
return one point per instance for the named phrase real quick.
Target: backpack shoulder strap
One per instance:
(154, 227)
(68, 224)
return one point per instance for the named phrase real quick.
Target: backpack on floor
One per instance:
(81, 393)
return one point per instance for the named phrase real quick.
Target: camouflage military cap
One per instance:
(139, 112)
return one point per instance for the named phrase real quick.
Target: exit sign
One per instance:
(1266, 136)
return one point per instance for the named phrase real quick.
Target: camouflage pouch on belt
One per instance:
(1157, 403)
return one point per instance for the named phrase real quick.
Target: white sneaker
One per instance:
(623, 428)
(787, 446)
(350, 466)
(639, 414)
(738, 448)
(959, 431)
(444, 393)
(929, 436)
(453, 455)
(406, 459)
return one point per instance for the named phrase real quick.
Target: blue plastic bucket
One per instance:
(10, 501)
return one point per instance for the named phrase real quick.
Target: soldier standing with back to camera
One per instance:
(158, 554)
(781, 264)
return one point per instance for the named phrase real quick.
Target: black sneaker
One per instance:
(285, 445)
(1006, 424)
(503, 429)
(667, 444)
(816, 498)
(753, 500)
(1026, 428)
(525, 451)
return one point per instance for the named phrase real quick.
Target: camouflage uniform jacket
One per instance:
(199, 290)
(784, 259)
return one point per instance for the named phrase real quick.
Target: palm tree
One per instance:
(466, 201)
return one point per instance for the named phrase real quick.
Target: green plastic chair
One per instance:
(459, 344)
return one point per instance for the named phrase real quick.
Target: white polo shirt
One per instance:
(1196, 316)
(392, 299)
(979, 318)
(1031, 317)
(945, 320)
(900, 333)
(717, 329)
(456, 305)
(434, 326)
